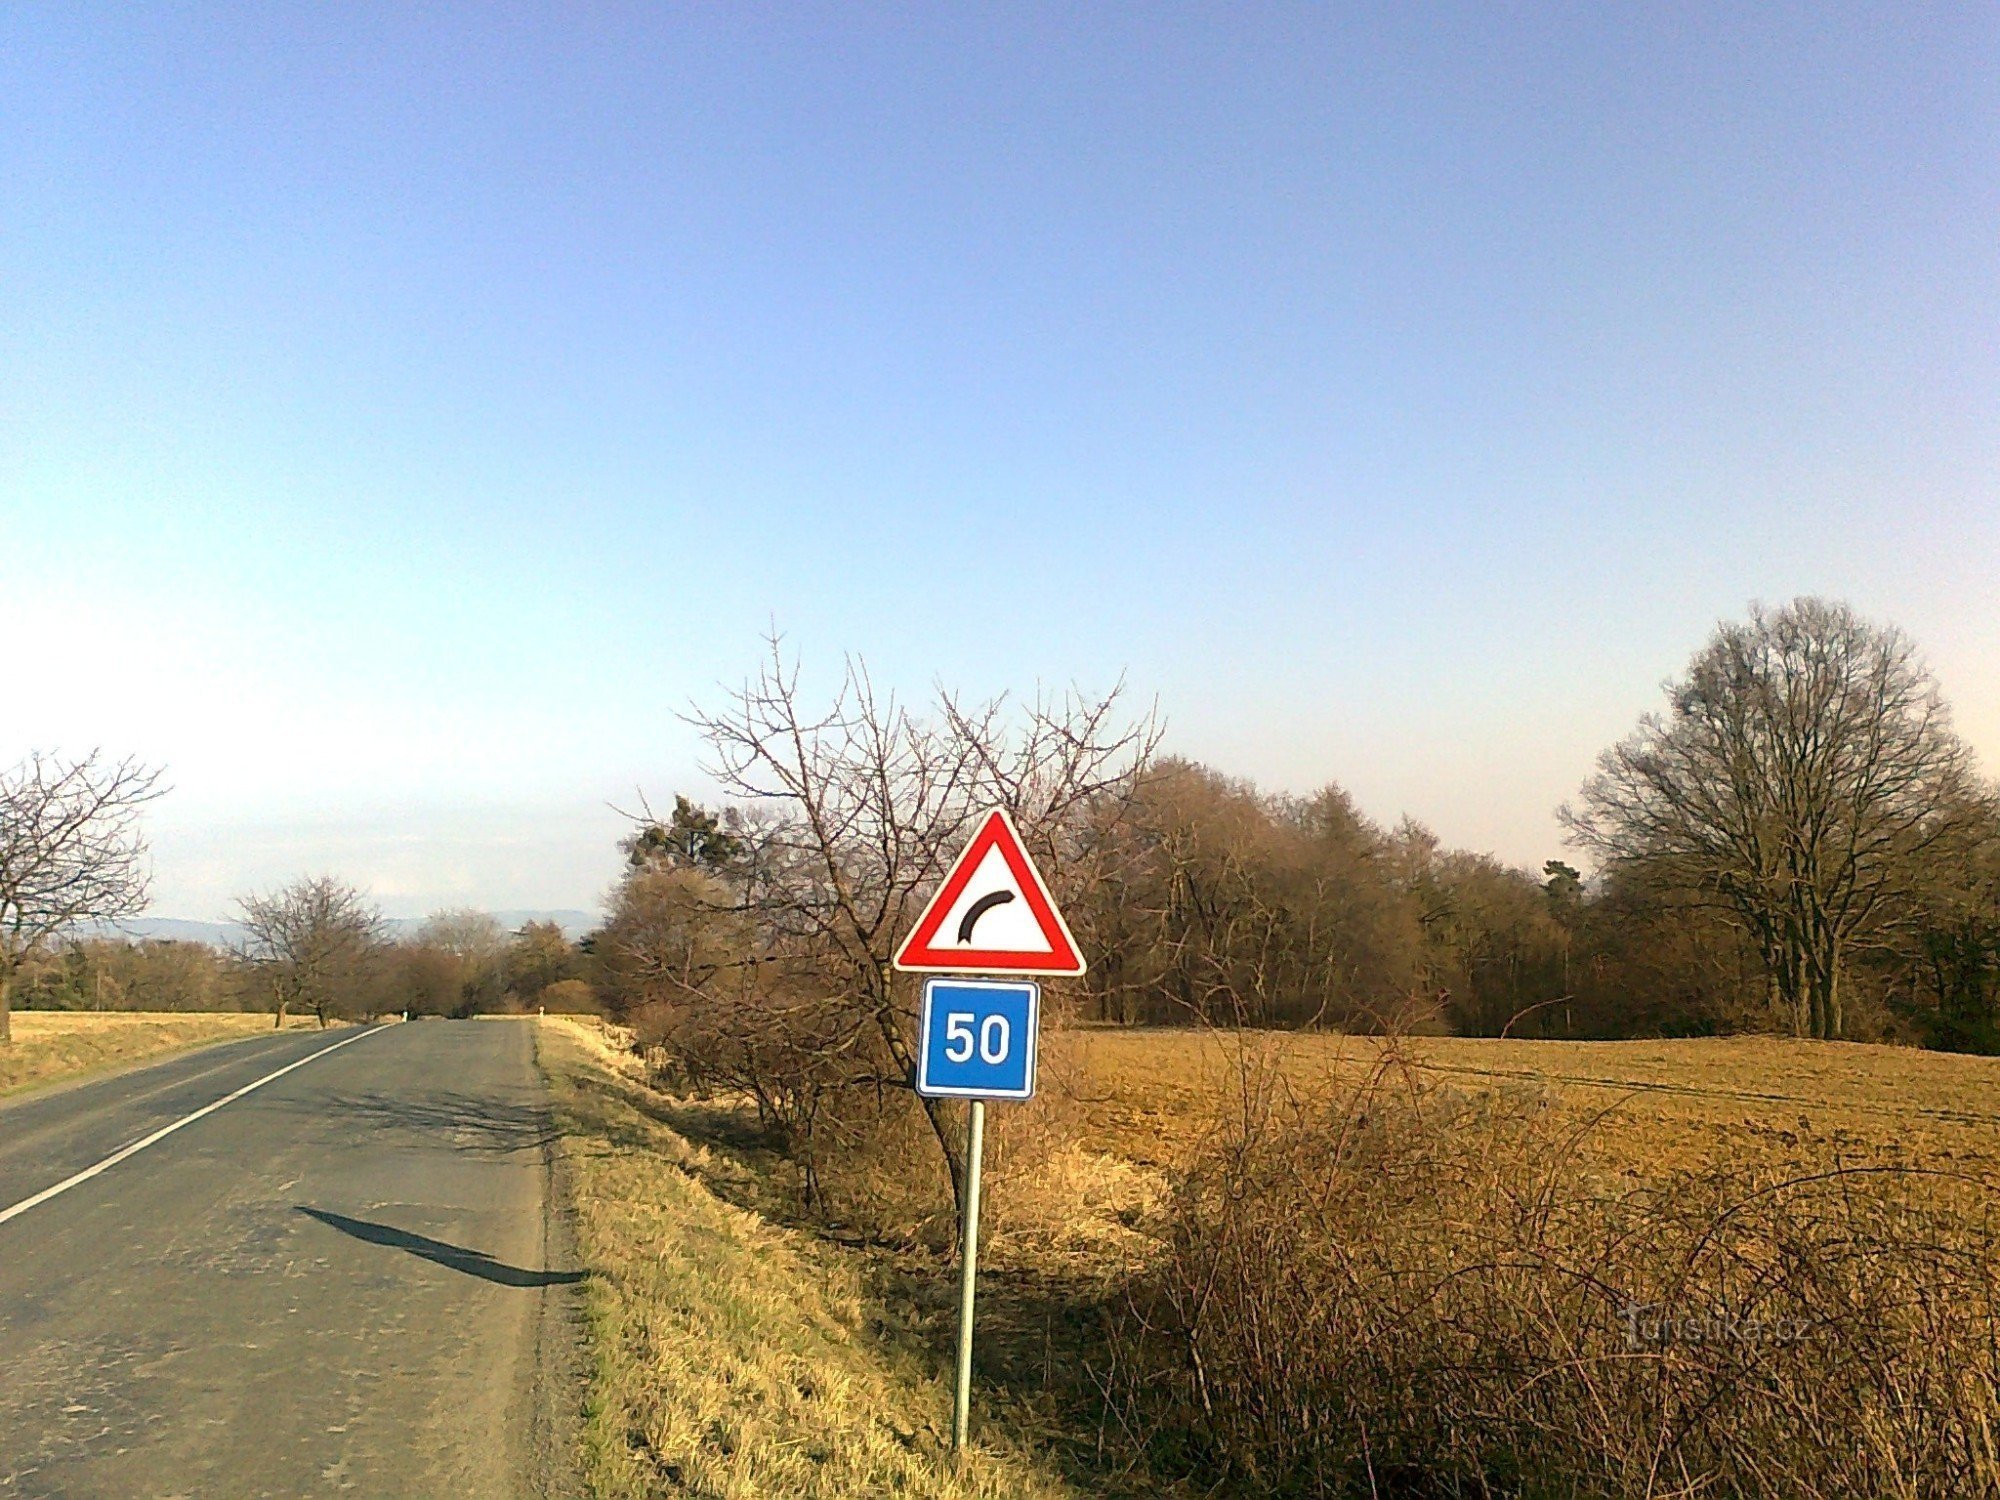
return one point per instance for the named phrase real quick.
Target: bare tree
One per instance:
(671, 935)
(453, 964)
(857, 811)
(1232, 907)
(70, 851)
(473, 937)
(1804, 772)
(311, 940)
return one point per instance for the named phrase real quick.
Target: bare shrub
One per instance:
(794, 1055)
(1403, 1289)
(752, 947)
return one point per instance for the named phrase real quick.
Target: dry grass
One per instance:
(1538, 1158)
(1416, 1289)
(52, 1045)
(1410, 1268)
(734, 1356)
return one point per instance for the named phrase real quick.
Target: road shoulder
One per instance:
(729, 1354)
(550, 1412)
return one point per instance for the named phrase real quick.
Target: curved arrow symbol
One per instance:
(979, 909)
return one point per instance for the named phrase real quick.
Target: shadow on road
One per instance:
(451, 1257)
(470, 1122)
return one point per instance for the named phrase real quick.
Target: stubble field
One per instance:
(1146, 1096)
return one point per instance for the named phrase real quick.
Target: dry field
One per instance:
(1079, 1174)
(1082, 1205)
(1145, 1096)
(52, 1045)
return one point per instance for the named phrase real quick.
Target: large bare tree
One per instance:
(855, 813)
(311, 940)
(70, 851)
(1805, 771)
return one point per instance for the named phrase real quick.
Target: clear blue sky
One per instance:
(404, 411)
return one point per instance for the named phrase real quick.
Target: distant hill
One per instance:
(227, 934)
(573, 923)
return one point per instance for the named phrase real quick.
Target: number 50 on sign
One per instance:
(978, 1039)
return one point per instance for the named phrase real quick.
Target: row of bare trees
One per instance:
(320, 946)
(73, 861)
(317, 947)
(71, 853)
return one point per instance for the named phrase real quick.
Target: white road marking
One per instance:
(166, 1130)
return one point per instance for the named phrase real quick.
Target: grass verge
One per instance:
(732, 1356)
(50, 1046)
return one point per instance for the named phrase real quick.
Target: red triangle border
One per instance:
(917, 953)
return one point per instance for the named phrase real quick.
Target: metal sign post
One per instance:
(976, 1042)
(977, 1037)
(968, 1274)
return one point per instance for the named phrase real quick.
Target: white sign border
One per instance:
(947, 1091)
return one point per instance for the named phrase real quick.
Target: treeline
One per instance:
(459, 963)
(1231, 906)
(1800, 843)
(1223, 905)
(150, 974)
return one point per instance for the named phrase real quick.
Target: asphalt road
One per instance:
(348, 1281)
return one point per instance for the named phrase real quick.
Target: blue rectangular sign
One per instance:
(977, 1039)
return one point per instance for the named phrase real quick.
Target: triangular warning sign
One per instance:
(992, 915)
